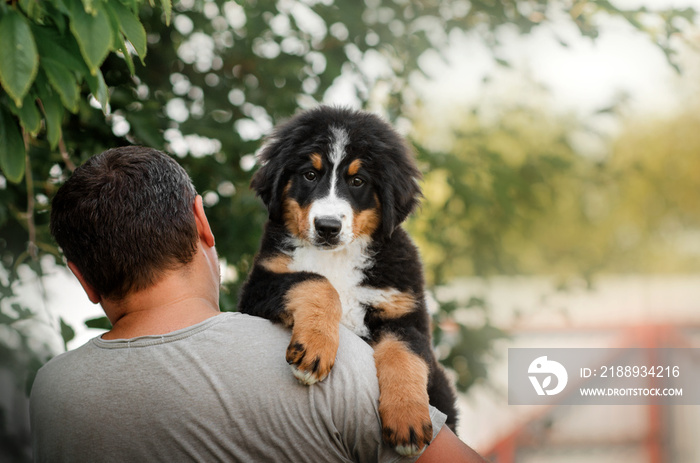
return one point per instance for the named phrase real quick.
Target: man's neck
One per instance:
(171, 304)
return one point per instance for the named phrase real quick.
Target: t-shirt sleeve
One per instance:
(355, 406)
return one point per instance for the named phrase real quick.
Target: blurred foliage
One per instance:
(509, 193)
(642, 215)
(206, 80)
(656, 208)
(20, 356)
(467, 349)
(495, 180)
(512, 195)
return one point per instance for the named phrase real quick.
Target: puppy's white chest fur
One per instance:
(344, 270)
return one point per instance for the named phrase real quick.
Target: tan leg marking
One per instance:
(403, 396)
(354, 167)
(316, 161)
(278, 263)
(315, 311)
(397, 305)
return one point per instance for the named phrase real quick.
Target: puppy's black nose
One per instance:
(327, 228)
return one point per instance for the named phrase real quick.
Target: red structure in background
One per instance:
(505, 449)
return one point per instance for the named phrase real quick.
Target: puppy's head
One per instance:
(332, 175)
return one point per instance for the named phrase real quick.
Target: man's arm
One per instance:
(447, 447)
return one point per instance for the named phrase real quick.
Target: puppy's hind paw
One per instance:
(408, 441)
(409, 450)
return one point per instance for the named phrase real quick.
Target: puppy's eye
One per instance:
(357, 182)
(310, 175)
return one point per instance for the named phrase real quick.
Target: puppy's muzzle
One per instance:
(328, 230)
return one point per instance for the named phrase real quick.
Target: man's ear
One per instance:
(92, 294)
(203, 228)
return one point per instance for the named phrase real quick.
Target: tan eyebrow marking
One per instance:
(354, 167)
(316, 161)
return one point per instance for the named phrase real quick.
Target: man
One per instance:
(175, 379)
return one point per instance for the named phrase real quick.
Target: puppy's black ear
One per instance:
(400, 192)
(267, 181)
(278, 151)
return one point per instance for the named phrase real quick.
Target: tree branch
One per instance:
(31, 226)
(64, 154)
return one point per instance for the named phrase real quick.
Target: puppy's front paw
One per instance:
(315, 309)
(406, 425)
(311, 354)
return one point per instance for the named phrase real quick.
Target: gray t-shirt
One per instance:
(220, 390)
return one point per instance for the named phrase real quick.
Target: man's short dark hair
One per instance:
(124, 217)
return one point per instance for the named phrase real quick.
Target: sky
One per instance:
(585, 76)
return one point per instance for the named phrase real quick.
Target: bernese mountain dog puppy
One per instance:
(338, 183)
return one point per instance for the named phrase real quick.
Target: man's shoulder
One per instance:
(259, 344)
(229, 343)
(242, 329)
(250, 326)
(58, 376)
(232, 332)
(67, 358)
(227, 329)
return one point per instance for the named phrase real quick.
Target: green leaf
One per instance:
(131, 27)
(29, 115)
(32, 9)
(118, 40)
(59, 48)
(121, 45)
(12, 152)
(99, 322)
(64, 81)
(99, 89)
(92, 32)
(67, 333)
(53, 110)
(59, 15)
(23, 313)
(167, 9)
(6, 319)
(19, 60)
(87, 4)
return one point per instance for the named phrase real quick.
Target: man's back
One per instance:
(216, 391)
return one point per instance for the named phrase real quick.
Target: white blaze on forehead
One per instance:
(336, 154)
(338, 144)
(332, 205)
